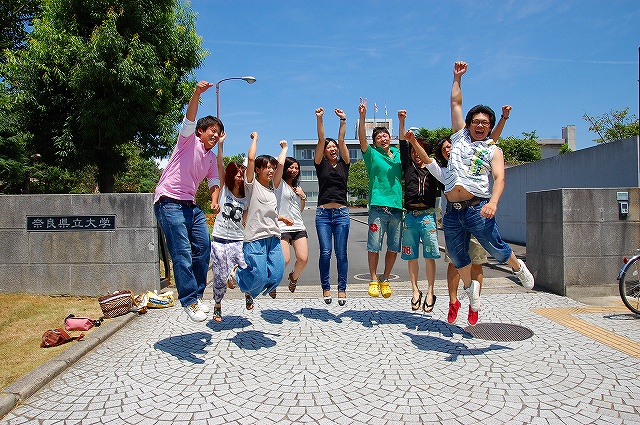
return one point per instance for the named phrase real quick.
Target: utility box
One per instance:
(576, 239)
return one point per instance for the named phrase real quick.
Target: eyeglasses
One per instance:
(480, 122)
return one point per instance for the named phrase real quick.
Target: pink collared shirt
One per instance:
(188, 165)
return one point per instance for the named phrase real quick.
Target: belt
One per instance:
(167, 200)
(461, 205)
(421, 212)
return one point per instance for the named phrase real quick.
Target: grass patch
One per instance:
(23, 320)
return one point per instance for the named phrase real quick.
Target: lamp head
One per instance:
(249, 79)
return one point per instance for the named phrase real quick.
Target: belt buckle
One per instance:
(456, 205)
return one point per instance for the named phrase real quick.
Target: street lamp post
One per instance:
(249, 79)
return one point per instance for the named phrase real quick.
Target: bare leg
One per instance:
(431, 278)
(372, 258)
(301, 250)
(453, 280)
(286, 251)
(389, 261)
(413, 277)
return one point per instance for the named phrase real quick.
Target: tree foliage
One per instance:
(432, 136)
(564, 149)
(97, 76)
(613, 125)
(358, 182)
(15, 17)
(520, 150)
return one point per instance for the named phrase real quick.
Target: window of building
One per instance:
(355, 154)
(308, 175)
(305, 153)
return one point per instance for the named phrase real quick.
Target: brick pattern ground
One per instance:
(373, 361)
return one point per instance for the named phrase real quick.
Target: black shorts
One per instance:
(293, 236)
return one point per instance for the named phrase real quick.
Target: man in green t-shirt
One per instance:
(385, 201)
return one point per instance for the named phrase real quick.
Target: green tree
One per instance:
(15, 17)
(358, 182)
(432, 136)
(97, 76)
(564, 149)
(613, 125)
(519, 150)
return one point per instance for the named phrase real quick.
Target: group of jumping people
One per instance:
(259, 209)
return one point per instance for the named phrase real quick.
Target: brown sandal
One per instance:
(292, 283)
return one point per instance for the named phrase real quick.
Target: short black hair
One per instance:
(206, 122)
(481, 109)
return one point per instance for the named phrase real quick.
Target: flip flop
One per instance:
(426, 306)
(416, 305)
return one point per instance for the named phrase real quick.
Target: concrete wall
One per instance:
(576, 239)
(79, 262)
(607, 165)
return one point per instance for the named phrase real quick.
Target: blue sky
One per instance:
(553, 61)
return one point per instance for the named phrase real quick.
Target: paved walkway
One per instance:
(373, 361)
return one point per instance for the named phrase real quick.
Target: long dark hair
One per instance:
(230, 176)
(286, 175)
(438, 152)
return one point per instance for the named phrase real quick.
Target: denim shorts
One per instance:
(384, 220)
(458, 227)
(420, 226)
(477, 253)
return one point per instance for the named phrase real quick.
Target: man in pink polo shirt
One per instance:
(183, 223)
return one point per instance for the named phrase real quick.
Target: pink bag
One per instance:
(73, 323)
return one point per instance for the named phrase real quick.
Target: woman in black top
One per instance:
(332, 214)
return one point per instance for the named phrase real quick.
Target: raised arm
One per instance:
(404, 147)
(342, 131)
(497, 130)
(457, 120)
(192, 107)
(417, 146)
(317, 158)
(215, 190)
(277, 177)
(362, 130)
(251, 157)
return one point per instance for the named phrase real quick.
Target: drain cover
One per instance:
(499, 332)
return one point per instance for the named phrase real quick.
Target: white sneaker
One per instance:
(473, 292)
(524, 275)
(195, 313)
(203, 307)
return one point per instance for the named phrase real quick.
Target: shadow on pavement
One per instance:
(454, 349)
(253, 340)
(278, 317)
(185, 347)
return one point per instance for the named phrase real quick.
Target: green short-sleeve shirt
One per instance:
(385, 177)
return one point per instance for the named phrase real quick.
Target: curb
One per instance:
(27, 385)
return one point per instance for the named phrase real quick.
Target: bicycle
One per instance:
(629, 283)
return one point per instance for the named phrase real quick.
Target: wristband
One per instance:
(343, 119)
(505, 118)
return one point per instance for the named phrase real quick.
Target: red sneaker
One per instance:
(472, 318)
(453, 311)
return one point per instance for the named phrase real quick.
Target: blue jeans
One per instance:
(384, 220)
(458, 227)
(333, 223)
(185, 229)
(265, 266)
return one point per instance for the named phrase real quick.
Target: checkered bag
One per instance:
(116, 304)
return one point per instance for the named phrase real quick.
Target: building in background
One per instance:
(304, 150)
(550, 147)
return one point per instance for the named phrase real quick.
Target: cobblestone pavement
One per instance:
(373, 361)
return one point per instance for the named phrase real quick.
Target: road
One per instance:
(358, 267)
